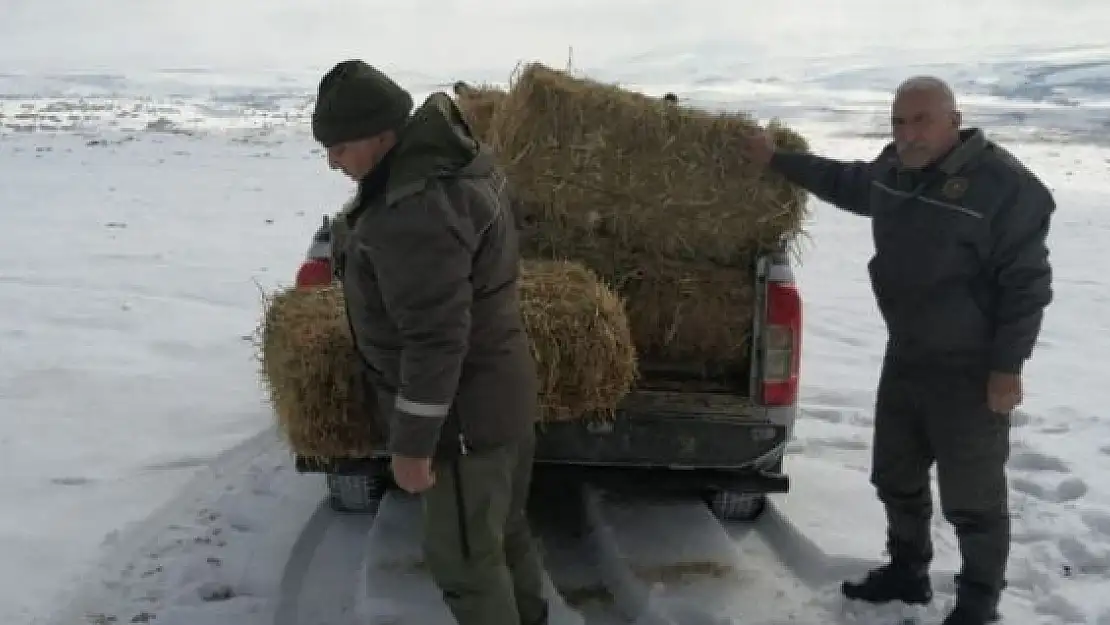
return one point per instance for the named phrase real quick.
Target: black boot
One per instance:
(543, 618)
(892, 582)
(975, 605)
(964, 615)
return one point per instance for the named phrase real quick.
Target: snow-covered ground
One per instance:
(155, 171)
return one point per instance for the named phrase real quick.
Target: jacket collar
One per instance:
(972, 144)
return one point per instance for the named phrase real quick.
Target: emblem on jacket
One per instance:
(954, 188)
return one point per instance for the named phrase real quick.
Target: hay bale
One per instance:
(323, 406)
(478, 105)
(647, 176)
(684, 313)
(679, 311)
(579, 337)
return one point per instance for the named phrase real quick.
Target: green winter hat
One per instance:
(356, 101)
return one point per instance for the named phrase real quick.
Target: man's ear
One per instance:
(957, 119)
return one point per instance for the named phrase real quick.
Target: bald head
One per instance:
(925, 120)
(928, 86)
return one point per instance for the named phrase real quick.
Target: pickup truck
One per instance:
(683, 429)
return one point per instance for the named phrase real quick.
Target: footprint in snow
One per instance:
(72, 481)
(1068, 490)
(1036, 461)
(1084, 558)
(215, 591)
(829, 415)
(850, 341)
(835, 400)
(1025, 536)
(186, 462)
(1098, 521)
(842, 444)
(1071, 489)
(1019, 418)
(838, 415)
(1058, 606)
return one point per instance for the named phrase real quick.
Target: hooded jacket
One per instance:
(961, 270)
(430, 271)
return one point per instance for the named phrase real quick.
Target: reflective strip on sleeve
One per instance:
(418, 409)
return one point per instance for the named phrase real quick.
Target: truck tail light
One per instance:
(782, 344)
(314, 272)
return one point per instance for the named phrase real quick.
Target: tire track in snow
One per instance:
(569, 550)
(609, 560)
(290, 560)
(393, 585)
(369, 569)
(317, 582)
(672, 562)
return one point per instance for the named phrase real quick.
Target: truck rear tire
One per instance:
(733, 506)
(359, 494)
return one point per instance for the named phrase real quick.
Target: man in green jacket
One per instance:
(429, 270)
(962, 278)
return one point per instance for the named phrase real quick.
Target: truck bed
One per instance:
(682, 424)
(682, 429)
(677, 418)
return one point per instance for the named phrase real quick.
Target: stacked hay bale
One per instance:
(641, 223)
(655, 197)
(478, 105)
(579, 334)
(580, 337)
(311, 372)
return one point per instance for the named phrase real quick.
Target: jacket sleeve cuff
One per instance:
(787, 163)
(797, 167)
(414, 435)
(1007, 365)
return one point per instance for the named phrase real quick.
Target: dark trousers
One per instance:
(926, 415)
(478, 544)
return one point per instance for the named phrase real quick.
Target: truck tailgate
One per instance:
(665, 429)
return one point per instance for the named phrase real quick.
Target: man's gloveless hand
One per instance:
(1004, 392)
(758, 147)
(413, 475)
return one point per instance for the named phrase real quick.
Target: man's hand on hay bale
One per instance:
(758, 146)
(413, 475)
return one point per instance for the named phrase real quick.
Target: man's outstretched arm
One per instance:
(846, 185)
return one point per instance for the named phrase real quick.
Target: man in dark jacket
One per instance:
(429, 271)
(961, 276)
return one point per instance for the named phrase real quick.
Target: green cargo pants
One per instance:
(927, 415)
(477, 540)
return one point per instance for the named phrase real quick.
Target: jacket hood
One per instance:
(436, 142)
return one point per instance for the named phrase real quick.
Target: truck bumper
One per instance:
(666, 451)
